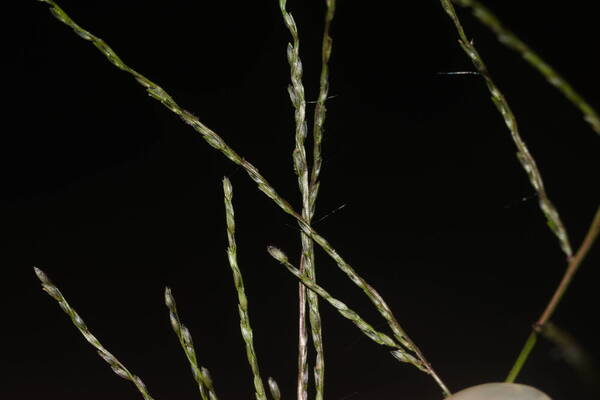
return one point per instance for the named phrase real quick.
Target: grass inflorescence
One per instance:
(398, 342)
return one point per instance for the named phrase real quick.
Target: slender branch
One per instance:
(319, 120)
(527, 161)
(245, 326)
(115, 364)
(403, 346)
(510, 40)
(185, 339)
(542, 321)
(343, 309)
(309, 192)
(218, 143)
(535, 178)
(573, 266)
(296, 92)
(320, 109)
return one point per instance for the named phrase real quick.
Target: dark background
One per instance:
(114, 197)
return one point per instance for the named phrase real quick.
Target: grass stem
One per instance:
(296, 92)
(542, 322)
(523, 355)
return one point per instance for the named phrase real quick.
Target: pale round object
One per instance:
(499, 391)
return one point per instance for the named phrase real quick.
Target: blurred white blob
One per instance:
(499, 391)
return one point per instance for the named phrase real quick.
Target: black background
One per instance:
(114, 197)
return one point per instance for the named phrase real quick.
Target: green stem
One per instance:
(529, 344)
